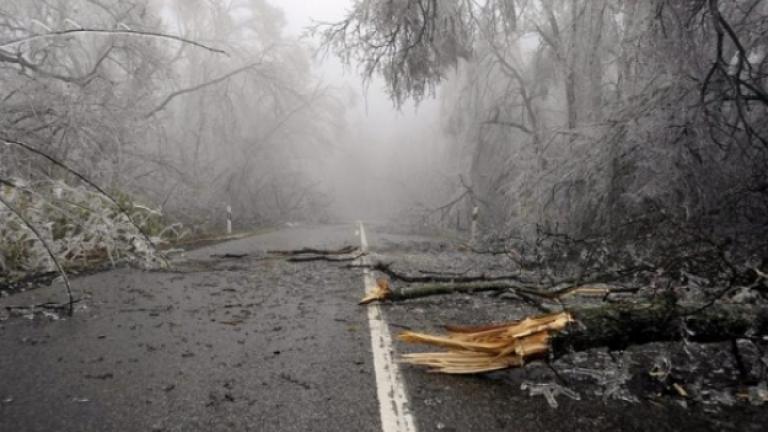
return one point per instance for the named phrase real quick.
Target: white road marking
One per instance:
(393, 401)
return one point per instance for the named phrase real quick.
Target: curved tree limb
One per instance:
(59, 268)
(140, 33)
(195, 88)
(87, 181)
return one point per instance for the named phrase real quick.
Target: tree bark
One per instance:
(519, 287)
(618, 326)
(473, 350)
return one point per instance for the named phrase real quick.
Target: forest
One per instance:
(132, 122)
(604, 147)
(615, 149)
(586, 118)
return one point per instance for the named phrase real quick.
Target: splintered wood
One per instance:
(475, 350)
(380, 292)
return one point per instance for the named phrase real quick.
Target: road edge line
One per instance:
(393, 400)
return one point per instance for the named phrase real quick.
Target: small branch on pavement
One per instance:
(528, 290)
(387, 270)
(230, 255)
(49, 306)
(310, 251)
(423, 286)
(326, 258)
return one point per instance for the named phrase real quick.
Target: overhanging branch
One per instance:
(195, 88)
(140, 33)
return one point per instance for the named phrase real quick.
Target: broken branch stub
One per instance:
(486, 349)
(379, 292)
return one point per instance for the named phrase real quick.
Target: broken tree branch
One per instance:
(617, 326)
(168, 99)
(139, 33)
(443, 288)
(423, 286)
(326, 258)
(386, 268)
(346, 250)
(41, 239)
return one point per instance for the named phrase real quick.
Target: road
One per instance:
(256, 344)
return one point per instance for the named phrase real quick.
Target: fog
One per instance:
(539, 114)
(383, 146)
(604, 162)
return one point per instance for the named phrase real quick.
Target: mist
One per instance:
(381, 165)
(517, 117)
(218, 214)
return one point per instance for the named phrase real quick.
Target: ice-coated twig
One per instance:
(549, 391)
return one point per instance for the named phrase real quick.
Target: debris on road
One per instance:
(524, 287)
(346, 250)
(303, 259)
(550, 391)
(484, 349)
(343, 254)
(230, 255)
(381, 291)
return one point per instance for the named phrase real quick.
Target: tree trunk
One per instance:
(483, 349)
(619, 326)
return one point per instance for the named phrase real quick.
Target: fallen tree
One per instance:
(483, 349)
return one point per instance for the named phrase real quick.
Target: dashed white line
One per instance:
(393, 401)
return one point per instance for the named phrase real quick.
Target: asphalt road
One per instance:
(255, 344)
(230, 345)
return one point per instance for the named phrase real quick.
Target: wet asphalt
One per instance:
(255, 344)
(214, 345)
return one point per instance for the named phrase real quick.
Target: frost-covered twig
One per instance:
(31, 227)
(87, 181)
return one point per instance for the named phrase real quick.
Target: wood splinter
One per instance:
(379, 292)
(475, 350)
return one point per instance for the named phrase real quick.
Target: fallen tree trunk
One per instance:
(616, 326)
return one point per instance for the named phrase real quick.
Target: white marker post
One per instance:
(473, 227)
(229, 219)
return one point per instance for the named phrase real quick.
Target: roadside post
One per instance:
(473, 227)
(229, 219)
